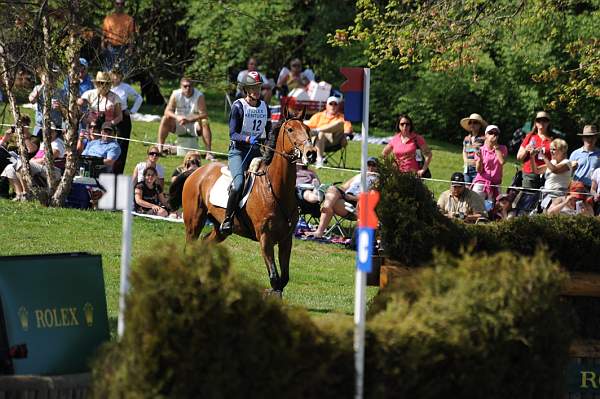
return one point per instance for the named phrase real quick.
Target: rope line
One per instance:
(499, 186)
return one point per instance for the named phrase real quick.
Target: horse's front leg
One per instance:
(268, 253)
(285, 250)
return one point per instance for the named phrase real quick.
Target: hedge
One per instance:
(476, 327)
(413, 226)
(471, 327)
(195, 330)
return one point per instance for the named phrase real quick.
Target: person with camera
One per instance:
(577, 201)
(104, 147)
(191, 161)
(489, 160)
(103, 105)
(461, 203)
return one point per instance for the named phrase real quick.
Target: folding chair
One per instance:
(344, 225)
(335, 155)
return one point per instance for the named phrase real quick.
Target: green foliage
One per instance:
(569, 240)
(228, 33)
(196, 330)
(411, 225)
(502, 59)
(475, 327)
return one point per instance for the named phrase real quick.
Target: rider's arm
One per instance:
(236, 120)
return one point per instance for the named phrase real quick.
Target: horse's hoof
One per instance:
(274, 293)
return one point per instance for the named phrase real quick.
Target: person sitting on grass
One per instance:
(336, 198)
(149, 198)
(576, 202)
(138, 171)
(191, 161)
(461, 203)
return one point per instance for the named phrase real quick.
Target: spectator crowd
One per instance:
(550, 181)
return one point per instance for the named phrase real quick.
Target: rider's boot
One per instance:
(227, 225)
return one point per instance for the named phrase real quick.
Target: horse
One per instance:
(271, 213)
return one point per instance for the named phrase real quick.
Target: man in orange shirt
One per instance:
(329, 127)
(117, 37)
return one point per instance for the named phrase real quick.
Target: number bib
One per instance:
(255, 119)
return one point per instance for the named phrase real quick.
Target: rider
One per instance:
(249, 125)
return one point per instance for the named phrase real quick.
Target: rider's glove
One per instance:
(253, 140)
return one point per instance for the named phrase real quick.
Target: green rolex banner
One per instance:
(55, 305)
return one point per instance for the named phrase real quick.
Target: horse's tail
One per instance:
(176, 189)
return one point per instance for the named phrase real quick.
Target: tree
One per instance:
(537, 54)
(228, 33)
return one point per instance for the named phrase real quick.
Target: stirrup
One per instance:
(226, 227)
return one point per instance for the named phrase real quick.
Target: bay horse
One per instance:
(271, 212)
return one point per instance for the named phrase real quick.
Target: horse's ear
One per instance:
(284, 113)
(303, 114)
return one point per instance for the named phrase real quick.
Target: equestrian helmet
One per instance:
(251, 79)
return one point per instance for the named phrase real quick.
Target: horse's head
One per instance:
(294, 140)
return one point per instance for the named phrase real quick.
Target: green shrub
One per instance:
(476, 327)
(195, 330)
(411, 225)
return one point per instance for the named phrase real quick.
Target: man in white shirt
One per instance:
(186, 114)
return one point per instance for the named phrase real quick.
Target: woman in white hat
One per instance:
(102, 103)
(536, 144)
(475, 125)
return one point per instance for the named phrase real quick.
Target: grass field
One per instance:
(322, 276)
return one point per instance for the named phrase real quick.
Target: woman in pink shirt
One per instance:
(488, 162)
(405, 145)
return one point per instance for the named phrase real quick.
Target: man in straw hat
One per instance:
(475, 125)
(586, 158)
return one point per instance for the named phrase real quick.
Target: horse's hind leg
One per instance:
(268, 253)
(194, 221)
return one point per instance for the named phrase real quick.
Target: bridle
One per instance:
(296, 153)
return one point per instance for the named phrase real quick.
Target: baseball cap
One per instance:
(492, 127)
(457, 179)
(333, 99)
(83, 61)
(107, 126)
(373, 160)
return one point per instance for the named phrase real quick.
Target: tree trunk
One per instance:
(71, 132)
(6, 71)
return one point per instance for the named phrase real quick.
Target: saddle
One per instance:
(219, 193)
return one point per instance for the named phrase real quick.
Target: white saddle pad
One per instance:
(219, 193)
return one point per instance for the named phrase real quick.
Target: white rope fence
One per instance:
(346, 170)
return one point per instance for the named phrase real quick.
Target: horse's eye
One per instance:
(289, 129)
